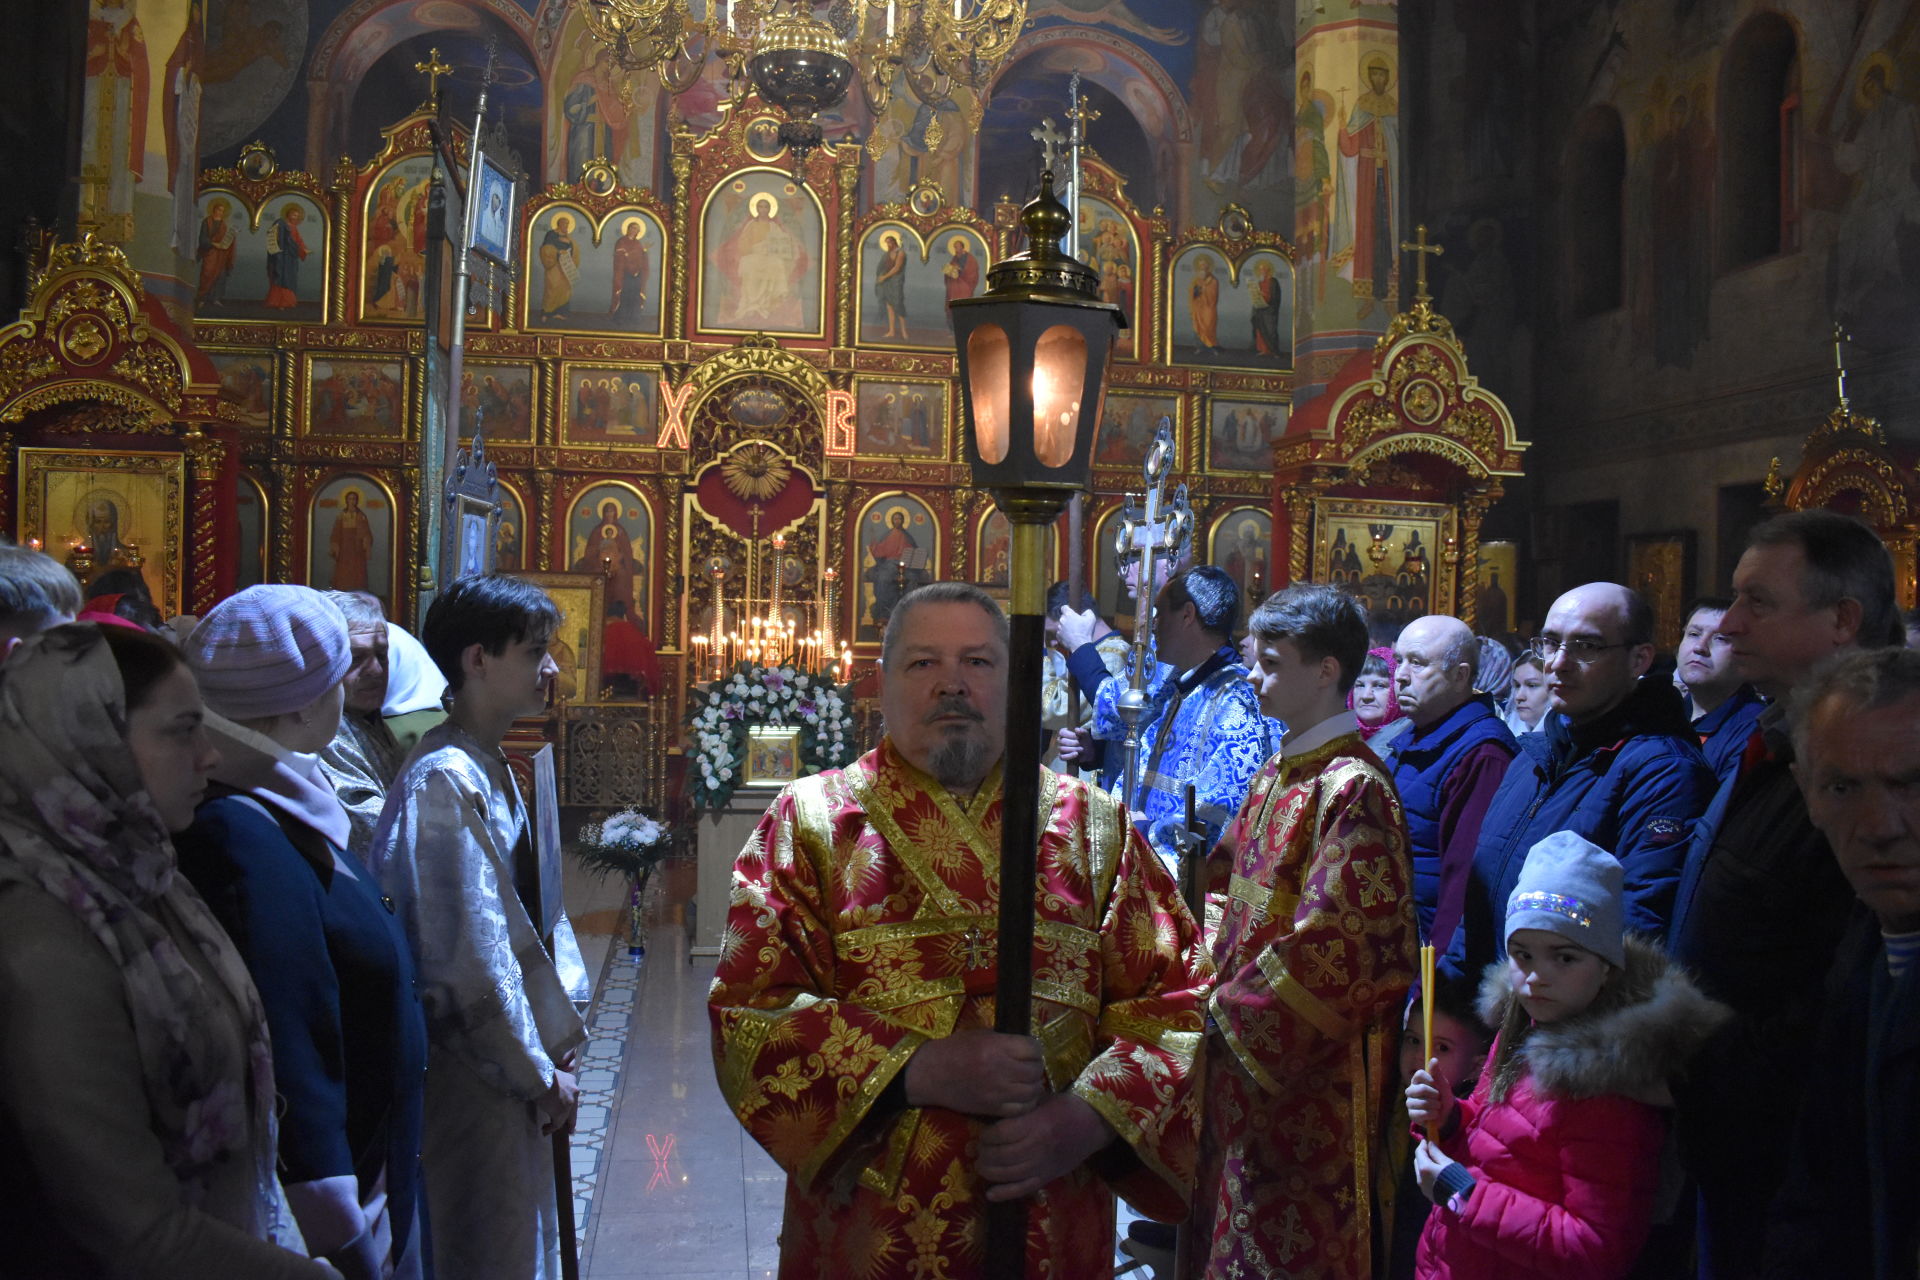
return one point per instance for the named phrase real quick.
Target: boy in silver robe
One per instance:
(501, 1019)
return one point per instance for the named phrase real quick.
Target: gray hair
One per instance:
(361, 609)
(1866, 679)
(1845, 561)
(1215, 597)
(36, 591)
(942, 593)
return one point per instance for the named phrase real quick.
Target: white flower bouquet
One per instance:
(721, 712)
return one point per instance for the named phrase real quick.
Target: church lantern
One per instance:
(1033, 353)
(1033, 358)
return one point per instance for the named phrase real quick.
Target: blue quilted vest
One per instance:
(1420, 761)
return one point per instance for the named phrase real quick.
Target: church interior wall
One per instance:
(1707, 368)
(1699, 366)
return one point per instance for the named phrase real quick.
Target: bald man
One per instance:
(1447, 767)
(1616, 761)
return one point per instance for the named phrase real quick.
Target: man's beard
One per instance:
(960, 761)
(961, 758)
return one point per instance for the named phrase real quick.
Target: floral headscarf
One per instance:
(1496, 670)
(76, 820)
(1393, 696)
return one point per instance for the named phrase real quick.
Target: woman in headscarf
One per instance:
(269, 849)
(136, 1085)
(414, 689)
(1495, 676)
(1375, 704)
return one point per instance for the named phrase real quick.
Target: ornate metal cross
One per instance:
(1425, 251)
(975, 950)
(1051, 140)
(433, 69)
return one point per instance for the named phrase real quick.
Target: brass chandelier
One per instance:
(803, 62)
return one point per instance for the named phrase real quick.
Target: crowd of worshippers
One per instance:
(271, 1003)
(1675, 901)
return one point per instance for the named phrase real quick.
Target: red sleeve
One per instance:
(1464, 798)
(1607, 1154)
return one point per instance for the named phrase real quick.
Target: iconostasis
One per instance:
(679, 374)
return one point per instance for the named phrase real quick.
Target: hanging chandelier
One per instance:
(803, 63)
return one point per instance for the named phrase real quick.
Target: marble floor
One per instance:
(666, 1182)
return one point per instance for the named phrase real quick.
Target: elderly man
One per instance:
(1616, 763)
(363, 759)
(1725, 707)
(1847, 1206)
(853, 1006)
(1762, 905)
(1447, 766)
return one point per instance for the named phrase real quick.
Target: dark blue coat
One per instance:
(336, 980)
(1633, 782)
(1847, 1207)
(1422, 762)
(1724, 731)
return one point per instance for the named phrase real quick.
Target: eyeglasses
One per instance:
(1579, 649)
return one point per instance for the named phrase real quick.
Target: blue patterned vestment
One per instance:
(1217, 739)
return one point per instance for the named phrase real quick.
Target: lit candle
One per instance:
(889, 19)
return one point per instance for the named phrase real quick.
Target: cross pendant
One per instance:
(975, 950)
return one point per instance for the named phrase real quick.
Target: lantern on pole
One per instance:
(1033, 351)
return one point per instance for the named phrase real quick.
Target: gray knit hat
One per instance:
(1572, 887)
(268, 651)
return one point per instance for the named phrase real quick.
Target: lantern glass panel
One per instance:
(1059, 376)
(990, 372)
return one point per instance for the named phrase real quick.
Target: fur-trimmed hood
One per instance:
(1637, 1037)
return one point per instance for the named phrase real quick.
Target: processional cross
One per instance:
(433, 69)
(1425, 251)
(1051, 140)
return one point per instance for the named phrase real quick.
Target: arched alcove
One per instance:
(1759, 115)
(1593, 211)
(1141, 132)
(362, 75)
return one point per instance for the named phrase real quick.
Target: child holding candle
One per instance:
(1551, 1168)
(1458, 1045)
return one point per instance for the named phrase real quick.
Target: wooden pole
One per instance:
(1006, 1245)
(1076, 584)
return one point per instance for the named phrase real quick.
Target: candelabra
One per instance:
(761, 627)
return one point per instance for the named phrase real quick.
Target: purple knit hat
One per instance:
(268, 651)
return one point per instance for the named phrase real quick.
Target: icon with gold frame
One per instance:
(109, 510)
(773, 756)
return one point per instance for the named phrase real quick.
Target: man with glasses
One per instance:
(1615, 762)
(1724, 705)
(1762, 905)
(1448, 767)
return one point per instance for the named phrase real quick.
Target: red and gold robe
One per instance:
(863, 924)
(1316, 949)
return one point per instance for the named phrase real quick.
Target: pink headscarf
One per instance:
(1393, 697)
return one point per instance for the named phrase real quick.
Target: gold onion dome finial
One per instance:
(1045, 270)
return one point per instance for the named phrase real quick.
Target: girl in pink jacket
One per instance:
(1551, 1168)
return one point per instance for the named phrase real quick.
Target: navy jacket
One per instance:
(1445, 812)
(1724, 731)
(1758, 916)
(1633, 782)
(1847, 1208)
(336, 980)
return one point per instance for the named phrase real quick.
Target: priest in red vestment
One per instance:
(1316, 948)
(853, 1006)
